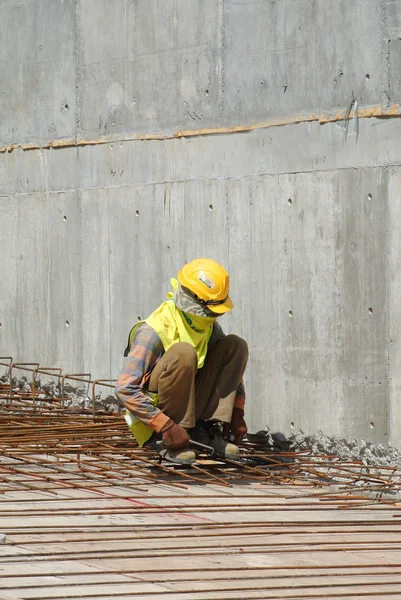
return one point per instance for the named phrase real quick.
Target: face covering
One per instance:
(188, 304)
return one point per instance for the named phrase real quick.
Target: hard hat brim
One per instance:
(221, 309)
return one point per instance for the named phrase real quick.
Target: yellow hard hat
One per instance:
(208, 282)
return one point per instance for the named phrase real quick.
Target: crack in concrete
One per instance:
(249, 177)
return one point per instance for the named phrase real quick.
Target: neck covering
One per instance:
(173, 325)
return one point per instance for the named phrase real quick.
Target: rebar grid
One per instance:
(47, 446)
(54, 449)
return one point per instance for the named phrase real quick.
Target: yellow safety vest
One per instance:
(172, 325)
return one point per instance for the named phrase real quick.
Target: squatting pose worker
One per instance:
(182, 377)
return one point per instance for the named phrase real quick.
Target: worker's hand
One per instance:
(237, 426)
(174, 437)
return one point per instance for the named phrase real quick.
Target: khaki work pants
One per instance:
(188, 394)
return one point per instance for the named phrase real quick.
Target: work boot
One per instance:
(211, 435)
(179, 457)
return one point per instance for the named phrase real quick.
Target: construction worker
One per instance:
(182, 378)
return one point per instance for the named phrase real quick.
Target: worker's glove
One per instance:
(174, 437)
(238, 426)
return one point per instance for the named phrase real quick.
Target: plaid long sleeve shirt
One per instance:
(146, 349)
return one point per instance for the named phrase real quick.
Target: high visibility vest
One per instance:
(172, 325)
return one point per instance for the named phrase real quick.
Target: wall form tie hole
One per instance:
(292, 424)
(1, 325)
(370, 310)
(207, 92)
(137, 213)
(67, 323)
(139, 318)
(64, 218)
(371, 424)
(291, 314)
(370, 196)
(210, 207)
(367, 76)
(289, 200)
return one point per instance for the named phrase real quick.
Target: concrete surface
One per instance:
(305, 218)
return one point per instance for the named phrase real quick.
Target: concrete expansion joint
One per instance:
(378, 111)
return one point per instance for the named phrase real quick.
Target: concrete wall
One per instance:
(306, 219)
